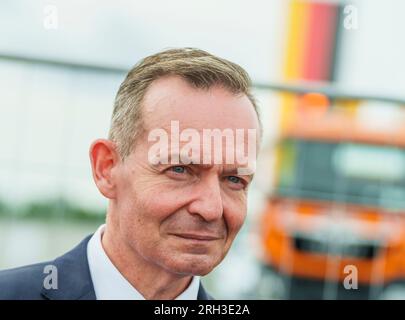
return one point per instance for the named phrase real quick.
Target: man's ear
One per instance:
(104, 159)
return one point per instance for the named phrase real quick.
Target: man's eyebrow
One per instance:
(239, 171)
(172, 160)
(228, 170)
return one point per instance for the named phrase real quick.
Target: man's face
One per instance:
(183, 217)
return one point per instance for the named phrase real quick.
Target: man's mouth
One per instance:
(197, 236)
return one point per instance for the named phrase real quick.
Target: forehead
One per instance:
(173, 99)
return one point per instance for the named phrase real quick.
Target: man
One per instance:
(175, 204)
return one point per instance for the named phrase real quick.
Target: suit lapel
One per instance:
(73, 276)
(202, 294)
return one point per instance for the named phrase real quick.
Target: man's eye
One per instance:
(178, 169)
(234, 179)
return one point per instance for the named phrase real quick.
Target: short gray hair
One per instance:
(199, 68)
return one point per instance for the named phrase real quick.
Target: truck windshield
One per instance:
(343, 172)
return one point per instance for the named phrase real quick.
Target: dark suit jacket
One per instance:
(73, 275)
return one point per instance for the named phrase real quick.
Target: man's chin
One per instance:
(196, 266)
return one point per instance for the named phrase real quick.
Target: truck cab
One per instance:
(334, 222)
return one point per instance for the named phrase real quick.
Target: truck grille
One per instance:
(358, 249)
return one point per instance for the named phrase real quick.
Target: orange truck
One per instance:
(334, 223)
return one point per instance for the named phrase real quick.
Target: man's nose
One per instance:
(208, 201)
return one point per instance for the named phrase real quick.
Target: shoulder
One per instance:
(23, 283)
(68, 273)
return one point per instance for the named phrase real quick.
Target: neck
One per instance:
(151, 280)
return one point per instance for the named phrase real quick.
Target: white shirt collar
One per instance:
(110, 284)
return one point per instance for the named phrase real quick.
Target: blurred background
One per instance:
(326, 212)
